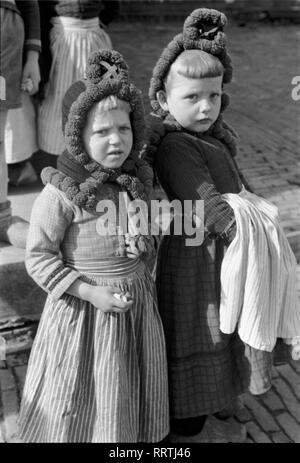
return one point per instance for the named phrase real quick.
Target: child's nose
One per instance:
(205, 106)
(114, 138)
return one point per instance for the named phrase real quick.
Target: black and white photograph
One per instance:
(150, 224)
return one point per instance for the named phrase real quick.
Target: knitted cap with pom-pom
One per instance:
(202, 30)
(107, 74)
(79, 176)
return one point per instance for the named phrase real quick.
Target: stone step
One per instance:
(17, 339)
(20, 298)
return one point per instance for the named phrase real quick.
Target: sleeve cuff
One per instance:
(58, 288)
(33, 44)
(224, 232)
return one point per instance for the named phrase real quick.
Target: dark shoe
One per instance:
(216, 432)
(231, 409)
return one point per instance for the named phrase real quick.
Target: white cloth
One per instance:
(258, 276)
(20, 132)
(71, 40)
(3, 165)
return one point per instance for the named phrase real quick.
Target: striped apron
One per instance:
(95, 376)
(71, 40)
(258, 276)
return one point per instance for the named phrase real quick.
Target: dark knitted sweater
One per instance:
(83, 9)
(190, 168)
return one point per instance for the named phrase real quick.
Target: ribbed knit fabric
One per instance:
(199, 169)
(82, 9)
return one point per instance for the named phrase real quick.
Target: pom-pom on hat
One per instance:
(202, 30)
(79, 176)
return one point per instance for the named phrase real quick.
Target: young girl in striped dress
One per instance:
(224, 303)
(97, 370)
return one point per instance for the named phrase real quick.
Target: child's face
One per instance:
(107, 137)
(195, 103)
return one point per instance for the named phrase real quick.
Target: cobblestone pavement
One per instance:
(267, 119)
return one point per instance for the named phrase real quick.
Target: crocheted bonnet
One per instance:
(202, 30)
(79, 176)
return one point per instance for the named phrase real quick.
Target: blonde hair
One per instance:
(195, 64)
(112, 102)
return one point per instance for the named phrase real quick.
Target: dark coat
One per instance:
(207, 368)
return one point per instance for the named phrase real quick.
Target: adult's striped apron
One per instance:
(71, 40)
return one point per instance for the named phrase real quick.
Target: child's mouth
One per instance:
(115, 153)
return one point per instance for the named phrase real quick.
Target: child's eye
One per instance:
(192, 97)
(124, 128)
(215, 96)
(102, 132)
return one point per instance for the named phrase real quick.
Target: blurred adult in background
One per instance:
(21, 142)
(19, 68)
(71, 30)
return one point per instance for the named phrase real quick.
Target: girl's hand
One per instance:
(137, 245)
(102, 297)
(132, 250)
(31, 73)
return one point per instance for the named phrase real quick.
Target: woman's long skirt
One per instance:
(71, 40)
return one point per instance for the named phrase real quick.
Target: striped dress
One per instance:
(92, 376)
